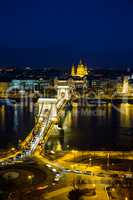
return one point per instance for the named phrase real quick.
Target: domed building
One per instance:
(81, 70)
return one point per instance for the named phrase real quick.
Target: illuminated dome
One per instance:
(81, 70)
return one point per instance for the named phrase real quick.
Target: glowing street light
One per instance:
(30, 178)
(12, 149)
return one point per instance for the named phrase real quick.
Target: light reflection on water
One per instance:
(2, 117)
(15, 123)
(105, 127)
(126, 117)
(98, 127)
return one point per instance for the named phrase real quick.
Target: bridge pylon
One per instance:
(47, 108)
(63, 92)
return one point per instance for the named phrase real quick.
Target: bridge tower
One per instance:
(63, 92)
(47, 108)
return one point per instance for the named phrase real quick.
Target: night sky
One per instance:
(60, 32)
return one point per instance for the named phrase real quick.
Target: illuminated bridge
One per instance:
(48, 110)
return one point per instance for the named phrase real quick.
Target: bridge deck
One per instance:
(40, 132)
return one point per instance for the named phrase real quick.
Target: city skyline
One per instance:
(66, 100)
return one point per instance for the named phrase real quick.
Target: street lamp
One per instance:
(30, 177)
(90, 159)
(73, 177)
(108, 157)
(12, 149)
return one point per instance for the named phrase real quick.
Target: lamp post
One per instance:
(90, 159)
(108, 157)
(30, 178)
(73, 181)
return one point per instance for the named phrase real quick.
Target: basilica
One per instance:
(80, 71)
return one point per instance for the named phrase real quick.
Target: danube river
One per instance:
(95, 127)
(15, 123)
(100, 127)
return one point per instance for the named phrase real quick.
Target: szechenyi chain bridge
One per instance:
(47, 116)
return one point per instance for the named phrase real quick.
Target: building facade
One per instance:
(80, 71)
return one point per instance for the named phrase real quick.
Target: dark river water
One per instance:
(15, 123)
(102, 127)
(96, 127)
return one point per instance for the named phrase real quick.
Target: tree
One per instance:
(74, 194)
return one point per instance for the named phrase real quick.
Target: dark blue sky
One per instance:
(59, 32)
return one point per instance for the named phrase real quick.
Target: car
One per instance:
(77, 171)
(54, 170)
(48, 165)
(100, 174)
(42, 187)
(67, 170)
(56, 179)
(114, 175)
(58, 174)
(10, 159)
(88, 173)
(3, 163)
(18, 156)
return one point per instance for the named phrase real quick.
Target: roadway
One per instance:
(39, 134)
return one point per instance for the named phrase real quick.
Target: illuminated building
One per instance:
(125, 86)
(3, 88)
(130, 86)
(73, 70)
(73, 84)
(35, 85)
(80, 71)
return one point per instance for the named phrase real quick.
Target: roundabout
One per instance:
(20, 180)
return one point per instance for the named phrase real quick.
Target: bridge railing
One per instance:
(29, 137)
(41, 128)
